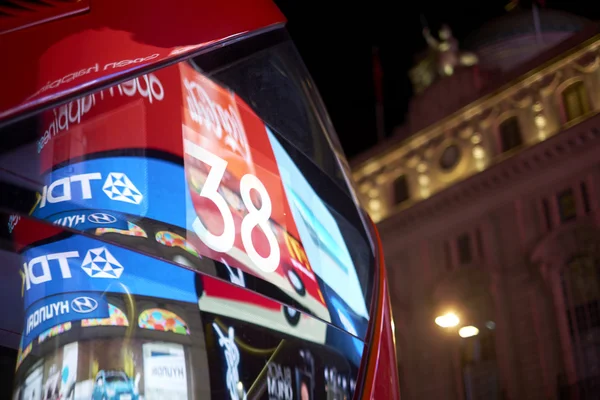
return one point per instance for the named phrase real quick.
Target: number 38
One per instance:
(255, 217)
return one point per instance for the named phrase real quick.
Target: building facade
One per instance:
(488, 205)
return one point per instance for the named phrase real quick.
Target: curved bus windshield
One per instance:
(222, 165)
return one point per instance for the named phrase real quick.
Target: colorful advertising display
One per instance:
(135, 329)
(139, 348)
(176, 166)
(250, 362)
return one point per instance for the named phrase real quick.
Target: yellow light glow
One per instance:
(480, 165)
(540, 121)
(447, 320)
(375, 205)
(476, 138)
(422, 167)
(423, 180)
(478, 152)
(468, 331)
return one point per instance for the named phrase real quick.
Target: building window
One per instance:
(585, 197)
(575, 101)
(567, 207)
(465, 255)
(479, 240)
(448, 256)
(510, 134)
(547, 215)
(401, 193)
(581, 289)
(450, 157)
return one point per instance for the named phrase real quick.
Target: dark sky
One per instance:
(335, 39)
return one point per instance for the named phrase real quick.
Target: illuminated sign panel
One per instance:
(54, 310)
(91, 265)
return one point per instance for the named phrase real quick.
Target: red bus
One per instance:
(179, 220)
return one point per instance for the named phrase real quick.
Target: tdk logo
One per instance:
(117, 186)
(97, 263)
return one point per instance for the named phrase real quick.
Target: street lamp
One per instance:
(468, 331)
(447, 320)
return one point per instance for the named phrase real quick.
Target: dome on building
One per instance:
(507, 41)
(520, 23)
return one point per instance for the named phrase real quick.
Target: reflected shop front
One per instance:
(169, 243)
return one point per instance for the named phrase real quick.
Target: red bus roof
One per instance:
(50, 53)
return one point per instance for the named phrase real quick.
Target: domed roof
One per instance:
(519, 23)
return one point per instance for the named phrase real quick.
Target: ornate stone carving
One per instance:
(448, 55)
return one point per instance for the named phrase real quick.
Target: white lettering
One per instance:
(49, 196)
(214, 118)
(62, 261)
(45, 313)
(66, 192)
(86, 190)
(169, 372)
(71, 114)
(279, 382)
(70, 221)
(46, 275)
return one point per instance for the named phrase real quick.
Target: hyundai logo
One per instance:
(83, 305)
(101, 218)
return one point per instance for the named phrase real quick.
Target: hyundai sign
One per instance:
(58, 309)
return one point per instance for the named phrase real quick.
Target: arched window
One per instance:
(510, 134)
(575, 101)
(401, 192)
(581, 286)
(162, 320)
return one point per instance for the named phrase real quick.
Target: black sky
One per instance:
(335, 39)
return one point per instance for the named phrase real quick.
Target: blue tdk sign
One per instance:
(139, 186)
(55, 310)
(80, 263)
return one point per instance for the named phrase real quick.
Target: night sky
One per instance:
(335, 39)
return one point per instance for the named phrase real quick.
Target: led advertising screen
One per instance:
(218, 187)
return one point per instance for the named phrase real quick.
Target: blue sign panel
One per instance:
(140, 186)
(81, 263)
(55, 310)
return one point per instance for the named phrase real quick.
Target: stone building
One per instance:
(487, 202)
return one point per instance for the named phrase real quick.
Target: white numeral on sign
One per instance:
(223, 242)
(258, 217)
(255, 217)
